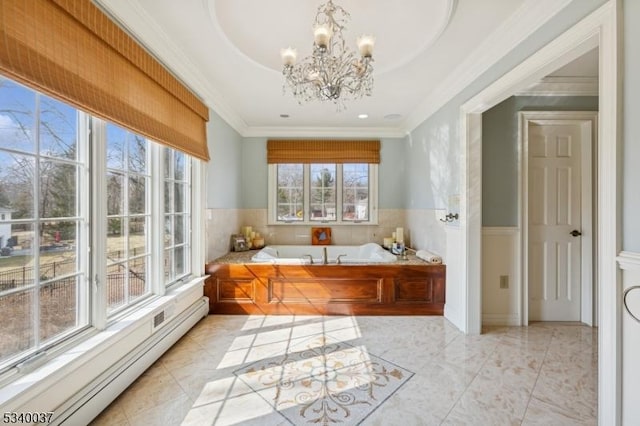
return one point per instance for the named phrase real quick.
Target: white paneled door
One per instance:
(558, 150)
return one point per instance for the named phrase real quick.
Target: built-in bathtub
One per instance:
(302, 255)
(280, 280)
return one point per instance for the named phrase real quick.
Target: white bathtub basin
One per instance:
(298, 255)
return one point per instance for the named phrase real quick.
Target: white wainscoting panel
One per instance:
(630, 264)
(501, 257)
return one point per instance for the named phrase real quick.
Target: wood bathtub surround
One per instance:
(402, 288)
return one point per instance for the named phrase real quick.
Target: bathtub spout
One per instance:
(325, 260)
(310, 258)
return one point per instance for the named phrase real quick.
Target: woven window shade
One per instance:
(72, 51)
(323, 151)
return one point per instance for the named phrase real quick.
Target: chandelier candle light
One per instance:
(332, 72)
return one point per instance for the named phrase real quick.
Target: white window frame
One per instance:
(101, 317)
(188, 243)
(92, 243)
(272, 194)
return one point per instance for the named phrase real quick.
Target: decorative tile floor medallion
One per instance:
(324, 382)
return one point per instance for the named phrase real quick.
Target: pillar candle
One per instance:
(400, 235)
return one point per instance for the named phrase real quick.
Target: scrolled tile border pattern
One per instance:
(324, 381)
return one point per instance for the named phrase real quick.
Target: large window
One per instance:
(44, 292)
(71, 257)
(322, 192)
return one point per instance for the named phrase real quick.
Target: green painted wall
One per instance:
(500, 151)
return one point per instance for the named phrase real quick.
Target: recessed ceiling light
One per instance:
(284, 115)
(392, 116)
(363, 116)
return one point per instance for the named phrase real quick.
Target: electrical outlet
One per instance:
(504, 281)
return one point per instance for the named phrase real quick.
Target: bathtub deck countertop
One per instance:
(241, 257)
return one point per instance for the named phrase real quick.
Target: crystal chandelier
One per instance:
(332, 72)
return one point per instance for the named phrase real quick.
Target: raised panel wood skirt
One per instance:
(394, 289)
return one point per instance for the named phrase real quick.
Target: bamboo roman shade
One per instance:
(72, 51)
(323, 151)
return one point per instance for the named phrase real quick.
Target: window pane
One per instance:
(17, 277)
(58, 244)
(180, 166)
(290, 203)
(16, 313)
(137, 236)
(168, 197)
(57, 189)
(115, 192)
(179, 230)
(138, 278)
(355, 195)
(116, 147)
(168, 264)
(116, 248)
(179, 198)
(168, 231)
(180, 261)
(168, 163)
(116, 286)
(58, 307)
(58, 124)
(17, 173)
(17, 106)
(323, 192)
(137, 154)
(137, 195)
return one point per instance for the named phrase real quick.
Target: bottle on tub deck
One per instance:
(397, 248)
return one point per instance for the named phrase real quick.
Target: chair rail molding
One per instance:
(628, 260)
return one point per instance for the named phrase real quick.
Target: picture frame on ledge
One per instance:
(238, 243)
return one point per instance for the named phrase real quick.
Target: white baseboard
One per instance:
(97, 395)
(501, 319)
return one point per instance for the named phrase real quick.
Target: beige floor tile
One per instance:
(542, 413)
(541, 374)
(112, 416)
(170, 413)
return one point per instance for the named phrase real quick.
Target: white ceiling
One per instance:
(427, 51)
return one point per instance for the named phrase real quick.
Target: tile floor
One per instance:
(542, 374)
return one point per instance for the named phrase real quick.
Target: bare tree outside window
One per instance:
(323, 192)
(290, 203)
(128, 218)
(355, 192)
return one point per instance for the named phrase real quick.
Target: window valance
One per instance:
(71, 50)
(323, 151)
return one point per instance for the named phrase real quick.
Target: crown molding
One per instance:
(531, 15)
(528, 18)
(327, 132)
(137, 23)
(562, 86)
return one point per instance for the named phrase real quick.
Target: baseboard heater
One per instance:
(97, 396)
